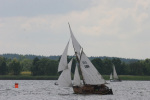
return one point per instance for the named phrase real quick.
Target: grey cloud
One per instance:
(9, 8)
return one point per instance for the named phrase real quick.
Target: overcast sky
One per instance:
(114, 28)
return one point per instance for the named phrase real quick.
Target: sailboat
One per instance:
(114, 77)
(87, 80)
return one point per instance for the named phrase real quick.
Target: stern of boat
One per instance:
(92, 89)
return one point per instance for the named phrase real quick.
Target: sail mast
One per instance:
(77, 49)
(80, 67)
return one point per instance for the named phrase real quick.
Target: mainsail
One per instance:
(115, 76)
(76, 81)
(75, 43)
(90, 74)
(64, 79)
(63, 61)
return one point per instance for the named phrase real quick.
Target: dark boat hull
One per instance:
(92, 89)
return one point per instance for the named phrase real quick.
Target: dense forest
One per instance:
(14, 64)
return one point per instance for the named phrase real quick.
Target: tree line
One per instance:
(140, 67)
(56, 57)
(46, 66)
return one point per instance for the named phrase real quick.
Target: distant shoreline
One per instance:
(106, 77)
(21, 77)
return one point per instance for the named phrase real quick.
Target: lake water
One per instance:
(46, 90)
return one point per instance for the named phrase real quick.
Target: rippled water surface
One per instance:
(46, 90)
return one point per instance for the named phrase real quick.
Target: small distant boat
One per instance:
(114, 77)
(56, 83)
(92, 81)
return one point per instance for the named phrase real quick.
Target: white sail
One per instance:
(75, 43)
(70, 64)
(64, 79)
(76, 81)
(90, 74)
(63, 60)
(115, 76)
(111, 76)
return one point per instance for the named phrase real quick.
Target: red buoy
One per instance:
(16, 85)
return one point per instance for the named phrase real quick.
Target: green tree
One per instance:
(136, 68)
(50, 67)
(15, 67)
(44, 66)
(98, 63)
(107, 66)
(34, 67)
(3, 66)
(26, 64)
(117, 62)
(146, 65)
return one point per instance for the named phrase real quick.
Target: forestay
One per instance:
(63, 61)
(90, 74)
